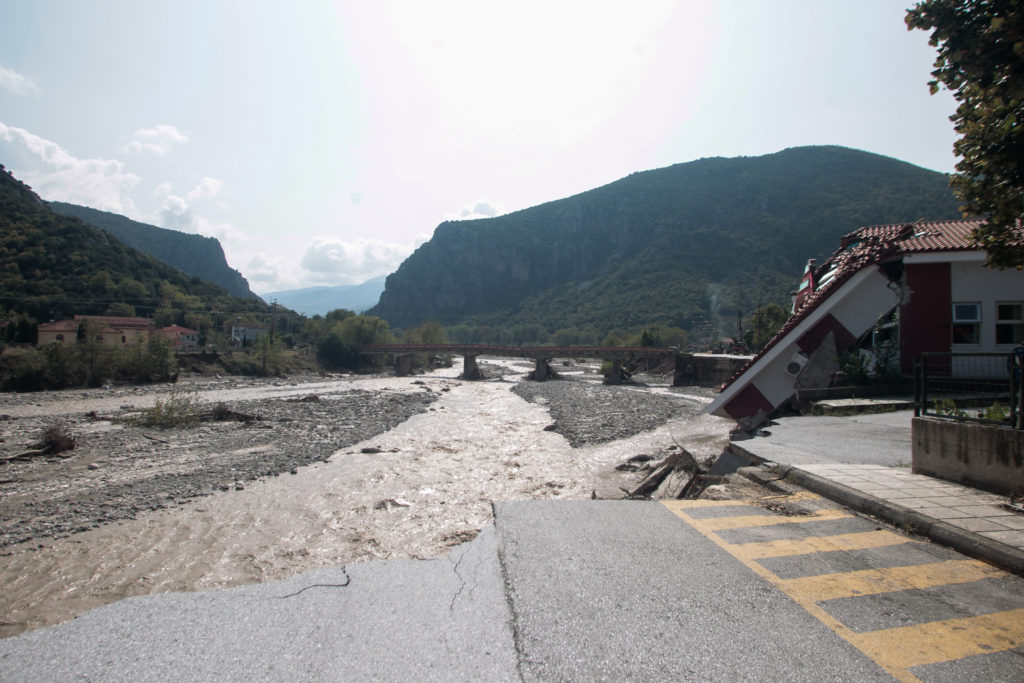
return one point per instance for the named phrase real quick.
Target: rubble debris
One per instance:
(222, 413)
(308, 398)
(389, 503)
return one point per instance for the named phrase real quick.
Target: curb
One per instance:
(961, 540)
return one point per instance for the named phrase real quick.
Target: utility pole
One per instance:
(273, 319)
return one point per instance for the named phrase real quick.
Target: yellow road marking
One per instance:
(874, 581)
(862, 540)
(942, 641)
(745, 521)
(690, 504)
(788, 498)
(895, 650)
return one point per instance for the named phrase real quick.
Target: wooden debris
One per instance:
(671, 478)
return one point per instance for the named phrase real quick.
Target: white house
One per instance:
(926, 273)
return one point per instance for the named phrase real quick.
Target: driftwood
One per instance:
(671, 478)
(25, 455)
(155, 438)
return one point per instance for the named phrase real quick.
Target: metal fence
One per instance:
(978, 387)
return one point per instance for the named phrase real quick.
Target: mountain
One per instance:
(54, 266)
(688, 245)
(320, 300)
(193, 254)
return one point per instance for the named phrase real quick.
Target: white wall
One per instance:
(972, 282)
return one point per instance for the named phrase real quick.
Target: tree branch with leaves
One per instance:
(981, 61)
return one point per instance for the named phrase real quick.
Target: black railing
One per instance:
(977, 387)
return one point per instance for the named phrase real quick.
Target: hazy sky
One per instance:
(322, 141)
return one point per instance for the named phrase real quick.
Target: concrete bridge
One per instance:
(689, 369)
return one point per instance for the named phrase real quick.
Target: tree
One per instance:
(981, 61)
(763, 324)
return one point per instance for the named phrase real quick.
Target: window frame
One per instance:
(1018, 322)
(972, 321)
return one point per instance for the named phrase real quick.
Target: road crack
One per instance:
(348, 580)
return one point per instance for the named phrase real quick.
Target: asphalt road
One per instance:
(792, 589)
(870, 439)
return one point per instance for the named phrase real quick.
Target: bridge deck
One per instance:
(533, 352)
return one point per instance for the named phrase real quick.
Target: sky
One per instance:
(322, 142)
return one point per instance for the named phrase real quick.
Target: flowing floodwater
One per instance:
(420, 488)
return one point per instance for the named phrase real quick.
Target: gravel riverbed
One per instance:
(373, 467)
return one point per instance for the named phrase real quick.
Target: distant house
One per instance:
(57, 331)
(111, 330)
(242, 334)
(924, 279)
(182, 338)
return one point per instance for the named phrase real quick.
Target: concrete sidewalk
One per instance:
(863, 461)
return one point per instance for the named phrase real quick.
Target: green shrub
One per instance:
(57, 438)
(995, 413)
(947, 406)
(854, 367)
(178, 409)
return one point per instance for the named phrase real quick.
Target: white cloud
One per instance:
(57, 175)
(207, 187)
(14, 82)
(179, 213)
(332, 261)
(159, 139)
(265, 274)
(481, 208)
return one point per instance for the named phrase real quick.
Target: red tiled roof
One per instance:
(865, 247)
(177, 329)
(59, 326)
(119, 322)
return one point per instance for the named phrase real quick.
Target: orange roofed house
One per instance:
(115, 331)
(181, 337)
(927, 273)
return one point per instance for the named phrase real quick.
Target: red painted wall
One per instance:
(927, 319)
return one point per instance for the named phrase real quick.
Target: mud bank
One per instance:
(442, 451)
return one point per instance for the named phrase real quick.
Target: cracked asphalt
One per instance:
(554, 590)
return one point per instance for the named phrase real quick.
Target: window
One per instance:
(966, 323)
(60, 337)
(1010, 323)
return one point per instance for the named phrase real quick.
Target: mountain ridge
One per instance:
(190, 253)
(322, 299)
(686, 245)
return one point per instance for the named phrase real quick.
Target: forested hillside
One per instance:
(192, 254)
(54, 266)
(688, 246)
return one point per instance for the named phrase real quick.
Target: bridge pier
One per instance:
(403, 366)
(685, 373)
(470, 369)
(617, 375)
(542, 371)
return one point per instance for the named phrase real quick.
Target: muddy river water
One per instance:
(420, 488)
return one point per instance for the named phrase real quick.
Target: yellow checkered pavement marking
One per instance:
(862, 540)
(874, 581)
(896, 650)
